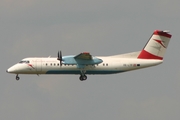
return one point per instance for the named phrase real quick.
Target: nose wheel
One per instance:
(17, 77)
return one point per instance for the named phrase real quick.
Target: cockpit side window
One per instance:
(24, 61)
(21, 62)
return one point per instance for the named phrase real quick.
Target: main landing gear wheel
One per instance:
(83, 77)
(17, 77)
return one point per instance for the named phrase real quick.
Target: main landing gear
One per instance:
(17, 77)
(82, 77)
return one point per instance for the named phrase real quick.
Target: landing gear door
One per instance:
(38, 65)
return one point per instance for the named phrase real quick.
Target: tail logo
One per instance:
(160, 42)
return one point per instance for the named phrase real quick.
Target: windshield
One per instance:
(24, 61)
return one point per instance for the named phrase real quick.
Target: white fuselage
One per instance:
(109, 65)
(84, 63)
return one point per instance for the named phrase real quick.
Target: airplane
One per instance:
(84, 63)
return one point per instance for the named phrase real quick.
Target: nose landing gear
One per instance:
(17, 77)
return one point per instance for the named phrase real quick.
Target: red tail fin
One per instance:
(156, 46)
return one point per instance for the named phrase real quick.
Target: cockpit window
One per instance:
(24, 61)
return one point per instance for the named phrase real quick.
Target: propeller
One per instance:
(60, 57)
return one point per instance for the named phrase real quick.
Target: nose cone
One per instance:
(11, 70)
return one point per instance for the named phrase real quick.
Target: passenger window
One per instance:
(54, 64)
(58, 64)
(51, 64)
(46, 64)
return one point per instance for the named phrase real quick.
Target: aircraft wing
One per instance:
(81, 60)
(84, 56)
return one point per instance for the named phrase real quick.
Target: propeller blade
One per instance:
(60, 57)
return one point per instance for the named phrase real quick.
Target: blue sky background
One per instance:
(102, 27)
